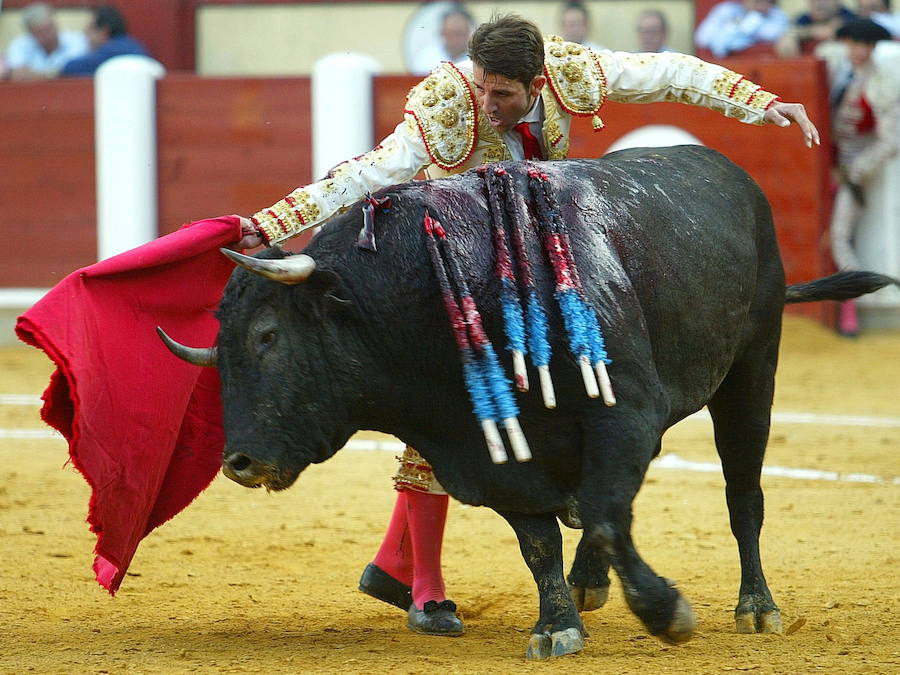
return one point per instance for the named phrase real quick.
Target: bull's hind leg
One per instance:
(741, 411)
(558, 630)
(616, 460)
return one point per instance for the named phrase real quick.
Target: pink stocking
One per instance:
(426, 515)
(848, 323)
(395, 555)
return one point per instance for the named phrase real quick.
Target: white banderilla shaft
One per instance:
(609, 398)
(517, 439)
(547, 387)
(494, 441)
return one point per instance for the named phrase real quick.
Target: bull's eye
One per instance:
(263, 331)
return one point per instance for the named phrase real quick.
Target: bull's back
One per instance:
(689, 262)
(670, 245)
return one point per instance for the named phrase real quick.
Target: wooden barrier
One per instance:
(47, 189)
(225, 146)
(235, 145)
(230, 145)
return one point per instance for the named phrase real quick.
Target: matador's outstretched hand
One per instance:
(250, 236)
(783, 114)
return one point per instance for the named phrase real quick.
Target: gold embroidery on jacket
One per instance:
(737, 89)
(574, 76)
(443, 108)
(290, 215)
(557, 145)
(725, 83)
(490, 143)
(415, 473)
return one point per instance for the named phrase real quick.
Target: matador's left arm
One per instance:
(670, 76)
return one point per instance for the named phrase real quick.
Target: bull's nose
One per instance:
(238, 462)
(242, 469)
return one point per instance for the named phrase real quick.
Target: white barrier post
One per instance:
(342, 117)
(126, 155)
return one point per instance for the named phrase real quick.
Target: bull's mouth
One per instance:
(248, 473)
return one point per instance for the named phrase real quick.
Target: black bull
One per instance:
(678, 255)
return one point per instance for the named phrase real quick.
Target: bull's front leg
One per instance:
(559, 630)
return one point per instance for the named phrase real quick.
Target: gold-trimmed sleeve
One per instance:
(397, 159)
(681, 78)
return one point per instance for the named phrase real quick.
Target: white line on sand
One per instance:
(667, 461)
(20, 399)
(777, 417)
(818, 418)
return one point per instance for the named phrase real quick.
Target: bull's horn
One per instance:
(199, 357)
(291, 270)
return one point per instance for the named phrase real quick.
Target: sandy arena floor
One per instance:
(245, 581)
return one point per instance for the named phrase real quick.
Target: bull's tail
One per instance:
(840, 286)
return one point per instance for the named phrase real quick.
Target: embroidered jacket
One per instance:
(443, 131)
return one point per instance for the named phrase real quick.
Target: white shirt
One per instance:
(535, 119)
(26, 51)
(729, 27)
(890, 22)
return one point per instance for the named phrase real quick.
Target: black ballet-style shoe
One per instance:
(382, 586)
(435, 618)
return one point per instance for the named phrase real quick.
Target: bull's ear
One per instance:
(330, 285)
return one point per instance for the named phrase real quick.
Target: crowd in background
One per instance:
(44, 51)
(731, 27)
(734, 26)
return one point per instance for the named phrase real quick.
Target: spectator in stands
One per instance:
(820, 23)
(108, 36)
(734, 25)
(653, 31)
(865, 99)
(575, 24)
(879, 11)
(43, 49)
(456, 28)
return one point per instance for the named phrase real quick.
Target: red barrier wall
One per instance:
(47, 194)
(230, 145)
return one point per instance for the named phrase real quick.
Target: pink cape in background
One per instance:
(144, 428)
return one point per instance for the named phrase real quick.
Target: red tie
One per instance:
(530, 144)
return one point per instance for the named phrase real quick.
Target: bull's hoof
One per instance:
(435, 618)
(382, 586)
(757, 614)
(683, 623)
(589, 599)
(766, 622)
(543, 646)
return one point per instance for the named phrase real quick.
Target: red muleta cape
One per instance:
(144, 428)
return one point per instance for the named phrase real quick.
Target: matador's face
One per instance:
(503, 100)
